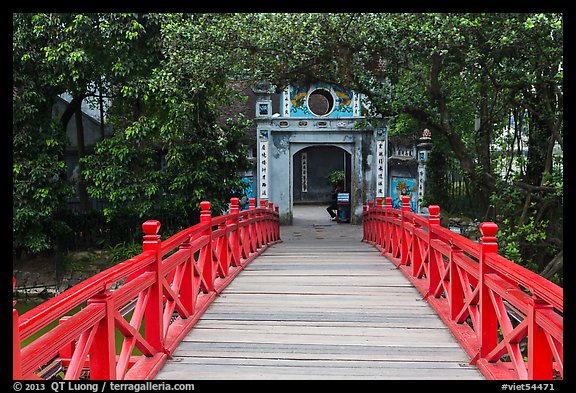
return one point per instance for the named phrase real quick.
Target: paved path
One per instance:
(319, 305)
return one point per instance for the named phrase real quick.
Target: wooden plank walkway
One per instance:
(319, 305)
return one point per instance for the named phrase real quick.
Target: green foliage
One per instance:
(336, 178)
(167, 154)
(403, 124)
(524, 235)
(123, 174)
(54, 54)
(512, 238)
(37, 169)
(122, 251)
(461, 75)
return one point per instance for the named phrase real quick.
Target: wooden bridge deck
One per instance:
(319, 305)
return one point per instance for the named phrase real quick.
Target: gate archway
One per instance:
(311, 167)
(319, 122)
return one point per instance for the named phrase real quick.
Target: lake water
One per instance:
(25, 304)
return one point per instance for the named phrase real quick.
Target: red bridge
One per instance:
(132, 318)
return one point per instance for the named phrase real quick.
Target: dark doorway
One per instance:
(311, 168)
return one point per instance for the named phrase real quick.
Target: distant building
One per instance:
(306, 132)
(301, 136)
(94, 132)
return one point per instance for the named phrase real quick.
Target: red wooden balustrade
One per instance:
(167, 288)
(507, 318)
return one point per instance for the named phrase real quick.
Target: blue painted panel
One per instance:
(248, 192)
(408, 184)
(343, 100)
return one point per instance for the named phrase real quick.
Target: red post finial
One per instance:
(378, 203)
(364, 208)
(151, 227)
(252, 205)
(370, 205)
(405, 203)
(234, 205)
(488, 229)
(388, 202)
(271, 206)
(263, 203)
(205, 213)
(434, 216)
(151, 236)
(489, 241)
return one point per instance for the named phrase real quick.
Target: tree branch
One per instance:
(554, 266)
(531, 188)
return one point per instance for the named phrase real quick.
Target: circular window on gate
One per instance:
(320, 102)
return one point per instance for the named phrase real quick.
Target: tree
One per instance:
(39, 186)
(451, 69)
(172, 153)
(117, 55)
(463, 76)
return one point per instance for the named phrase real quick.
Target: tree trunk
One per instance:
(484, 131)
(483, 182)
(71, 109)
(537, 150)
(554, 266)
(81, 185)
(74, 108)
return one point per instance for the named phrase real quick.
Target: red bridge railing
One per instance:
(507, 318)
(152, 300)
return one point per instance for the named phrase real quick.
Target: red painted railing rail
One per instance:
(152, 299)
(508, 318)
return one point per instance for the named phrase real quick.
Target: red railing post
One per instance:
(252, 227)
(271, 223)
(416, 256)
(371, 223)
(188, 288)
(263, 224)
(388, 227)
(378, 222)
(365, 220)
(456, 295)
(155, 305)
(234, 235)
(67, 351)
(540, 358)
(16, 360)
(221, 244)
(488, 326)
(244, 235)
(208, 268)
(433, 268)
(103, 348)
(404, 234)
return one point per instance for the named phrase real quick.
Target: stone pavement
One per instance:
(313, 222)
